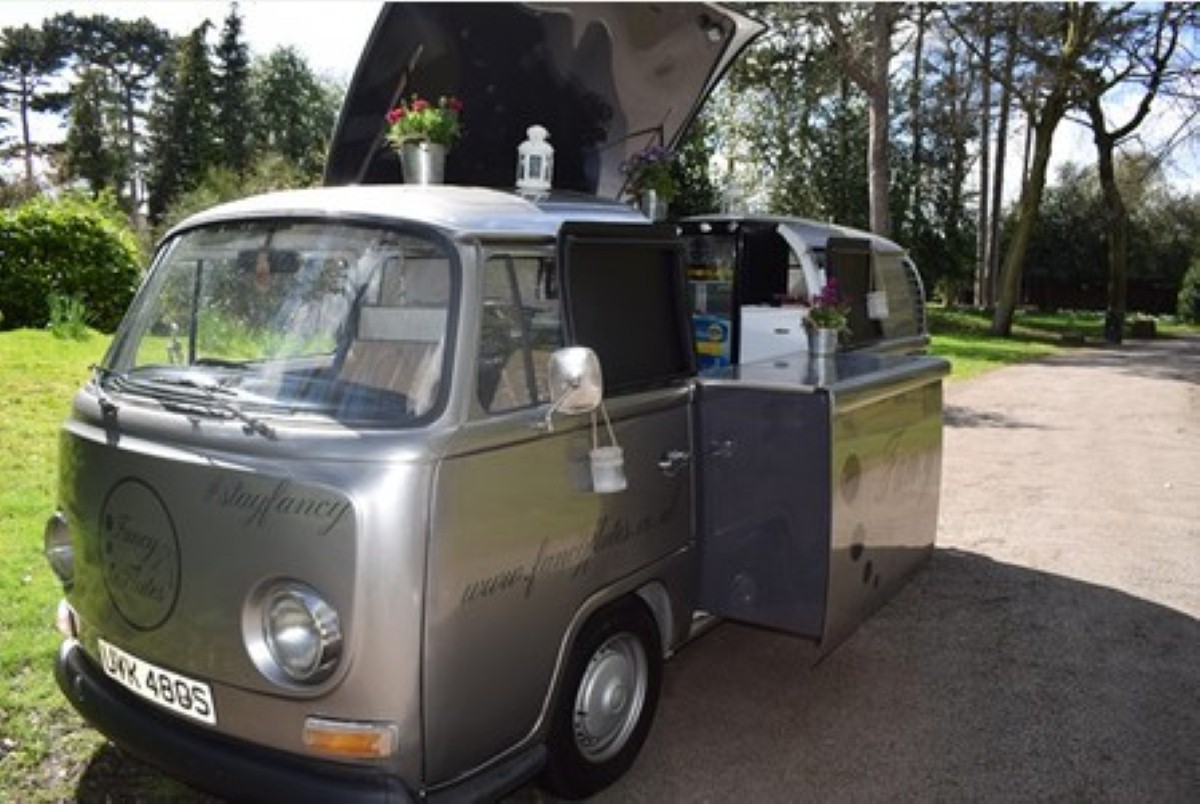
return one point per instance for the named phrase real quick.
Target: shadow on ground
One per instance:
(114, 777)
(981, 680)
(1175, 359)
(961, 416)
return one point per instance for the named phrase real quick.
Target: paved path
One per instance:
(1051, 651)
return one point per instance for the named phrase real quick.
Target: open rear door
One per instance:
(606, 79)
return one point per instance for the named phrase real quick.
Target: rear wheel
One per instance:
(607, 702)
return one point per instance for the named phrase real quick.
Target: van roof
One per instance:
(459, 211)
(815, 233)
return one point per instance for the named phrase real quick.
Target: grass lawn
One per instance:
(45, 751)
(961, 336)
(42, 747)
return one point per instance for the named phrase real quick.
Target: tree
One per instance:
(697, 193)
(991, 259)
(1065, 263)
(183, 144)
(29, 58)
(296, 112)
(129, 55)
(220, 184)
(790, 125)
(1145, 52)
(91, 151)
(985, 156)
(234, 111)
(865, 51)
(1066, 36)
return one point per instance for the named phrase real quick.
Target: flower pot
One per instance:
(423, 162)
(822, 342)
(652, 205)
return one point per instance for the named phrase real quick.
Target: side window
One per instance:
(521, 326)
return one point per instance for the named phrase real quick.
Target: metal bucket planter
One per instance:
(423, 162)
(653, 205)
(822, 342)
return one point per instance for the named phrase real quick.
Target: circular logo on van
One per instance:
(140, 554)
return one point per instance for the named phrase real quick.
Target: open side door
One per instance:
(818, 487)
(623, 296)
(763, 489)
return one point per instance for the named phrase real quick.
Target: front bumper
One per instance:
(245, 772)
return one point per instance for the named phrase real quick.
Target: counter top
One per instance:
(846, 375)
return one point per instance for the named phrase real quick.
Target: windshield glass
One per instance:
(337, 320)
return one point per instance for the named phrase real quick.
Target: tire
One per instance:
(606, 703)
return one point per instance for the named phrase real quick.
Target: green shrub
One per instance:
(75, 247)
(1188, 308)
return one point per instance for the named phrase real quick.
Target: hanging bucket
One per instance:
(877, 305)
(607, 463)
(608, 469)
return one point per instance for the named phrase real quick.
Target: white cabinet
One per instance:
(771, 331)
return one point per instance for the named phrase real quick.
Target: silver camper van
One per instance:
(398, 492)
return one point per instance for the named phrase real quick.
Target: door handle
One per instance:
(674, 460)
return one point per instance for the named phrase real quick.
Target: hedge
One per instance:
(72, 247)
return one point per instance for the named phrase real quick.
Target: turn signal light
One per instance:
(348, 739)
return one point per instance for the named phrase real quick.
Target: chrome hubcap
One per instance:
(610, 697)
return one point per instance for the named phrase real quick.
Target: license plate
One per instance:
(180, 694)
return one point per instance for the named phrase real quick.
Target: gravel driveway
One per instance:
(1051, 651)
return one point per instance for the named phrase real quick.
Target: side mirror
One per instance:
(576, 383)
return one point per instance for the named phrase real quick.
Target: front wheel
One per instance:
(607, 702)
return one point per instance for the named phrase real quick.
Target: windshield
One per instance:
(343, 321)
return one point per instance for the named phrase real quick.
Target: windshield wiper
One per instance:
(221, 362)
(217, 396)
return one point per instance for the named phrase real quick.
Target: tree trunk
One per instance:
(26, 134)
(985, 119)
(992, 262)
(1078, 37)
(916, 211)
(878, 98)
(1031, 201)
(869, 72)
(1116, 217)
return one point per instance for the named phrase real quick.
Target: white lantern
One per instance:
(535, 161)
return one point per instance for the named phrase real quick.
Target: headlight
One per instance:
(56, 541)
(302, 632)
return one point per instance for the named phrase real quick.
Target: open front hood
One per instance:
(606, 79)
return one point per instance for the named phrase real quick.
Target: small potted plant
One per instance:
(828, 317)
(422, 132)
(650, 178)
